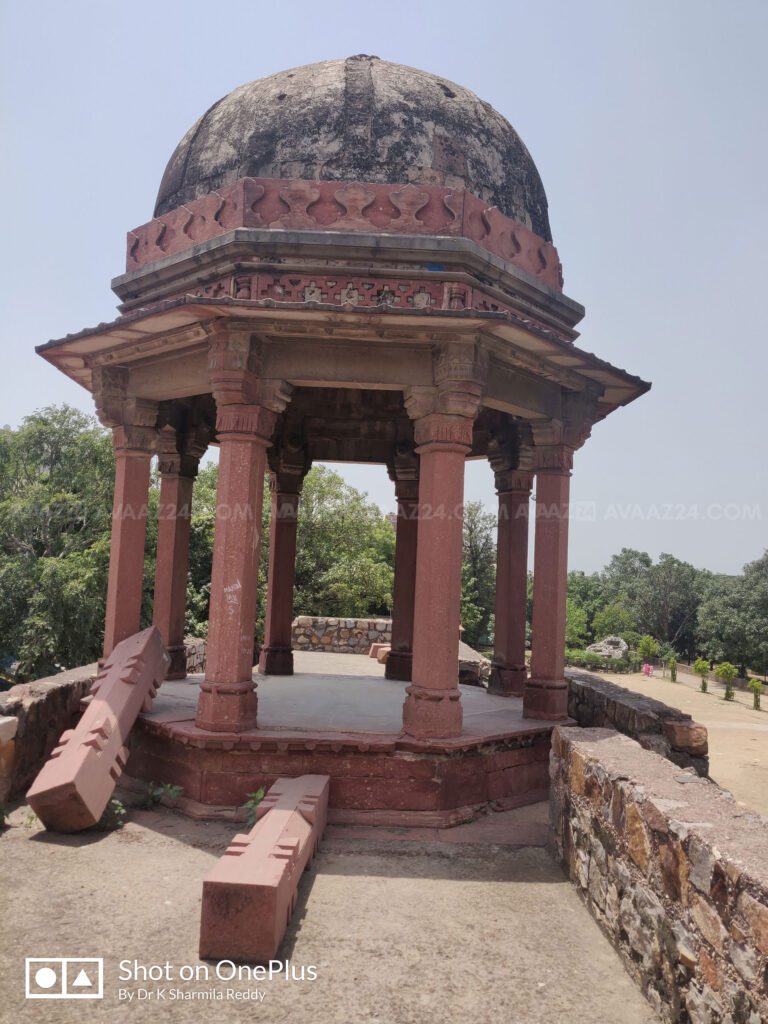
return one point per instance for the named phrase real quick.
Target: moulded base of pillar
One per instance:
(507, 680)
(178, 666)
(276, 661)
(226, 707)
(399, 664)
(546, 699)
(432, 714)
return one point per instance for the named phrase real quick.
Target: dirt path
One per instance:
(738, 735)
(400, 932)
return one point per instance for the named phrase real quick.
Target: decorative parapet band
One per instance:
(348, 207)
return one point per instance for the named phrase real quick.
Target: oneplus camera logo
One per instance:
(64, 977)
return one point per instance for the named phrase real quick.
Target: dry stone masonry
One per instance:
(340, 636)
(593, 701)
(674, 871)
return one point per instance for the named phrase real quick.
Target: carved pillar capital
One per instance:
(179, 451)
(235, 362)
(246, 422)
(132, 419)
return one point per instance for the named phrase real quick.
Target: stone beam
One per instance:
(250, 893)
(76, 783)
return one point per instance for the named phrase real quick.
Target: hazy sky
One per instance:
(646, 118)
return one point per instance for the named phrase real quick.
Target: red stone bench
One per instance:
(249, 895)
(74, 786)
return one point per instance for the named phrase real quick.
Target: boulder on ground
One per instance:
(611, 647)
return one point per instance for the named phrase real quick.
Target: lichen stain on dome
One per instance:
(363, 119)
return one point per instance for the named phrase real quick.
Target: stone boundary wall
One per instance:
(32, 718)
(593, 701)
(339, 636)
(672, 868)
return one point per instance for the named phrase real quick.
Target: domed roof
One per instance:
(358, 119)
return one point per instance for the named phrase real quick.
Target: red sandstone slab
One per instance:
(76, 783)
(249, 895)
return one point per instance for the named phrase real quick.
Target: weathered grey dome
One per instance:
(359, 119)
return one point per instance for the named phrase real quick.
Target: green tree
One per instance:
(478, 573)
(586, 590)
(726, 673)
(701, 669)
(755, 601)
(56, 480)
(756, 686)
(615, 620)
(648, 648)
(722, 621)
(575, 624)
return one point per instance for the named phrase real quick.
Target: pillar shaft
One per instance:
(433, 705)
(277, 654)
(227, 700)
(129, 531)
(508, 672)
(546, 692)
(400, 661)
(172, 563)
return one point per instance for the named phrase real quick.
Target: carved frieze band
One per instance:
(348, 207)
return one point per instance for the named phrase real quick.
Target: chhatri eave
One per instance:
(349, 261)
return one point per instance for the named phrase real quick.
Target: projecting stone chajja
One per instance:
(249, 895)
(76, 783)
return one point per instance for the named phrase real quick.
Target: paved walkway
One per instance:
(467, 930)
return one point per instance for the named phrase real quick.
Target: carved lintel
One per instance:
(460, 361)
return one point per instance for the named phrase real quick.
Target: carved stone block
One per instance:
(76, 783)
(250, 893)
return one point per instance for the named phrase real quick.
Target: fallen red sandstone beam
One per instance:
(249, 895)
(74, 786)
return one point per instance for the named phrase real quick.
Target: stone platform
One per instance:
(338, 716)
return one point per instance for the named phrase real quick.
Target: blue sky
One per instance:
(647, 121)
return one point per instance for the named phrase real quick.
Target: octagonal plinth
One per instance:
(348, 728)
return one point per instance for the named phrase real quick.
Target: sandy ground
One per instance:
(399, 931)
(738, 735)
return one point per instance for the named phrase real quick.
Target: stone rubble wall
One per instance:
(672, 868)
(593, 701)
(195, 649)
(32, 718)
(339, 636)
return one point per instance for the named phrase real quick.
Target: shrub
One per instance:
(701, 668)
(647, 648)
(156, 794)
(250, 805)
(726, 673)
(672, 665)
(757, 688)
(113, 817)
(597, 662)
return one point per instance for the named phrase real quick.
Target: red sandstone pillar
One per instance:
(399, 664)
(177, 475)
(508, 673)
(133, 451)
(546, 692)
(433, 705)
(227, 700)
(277, 653)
